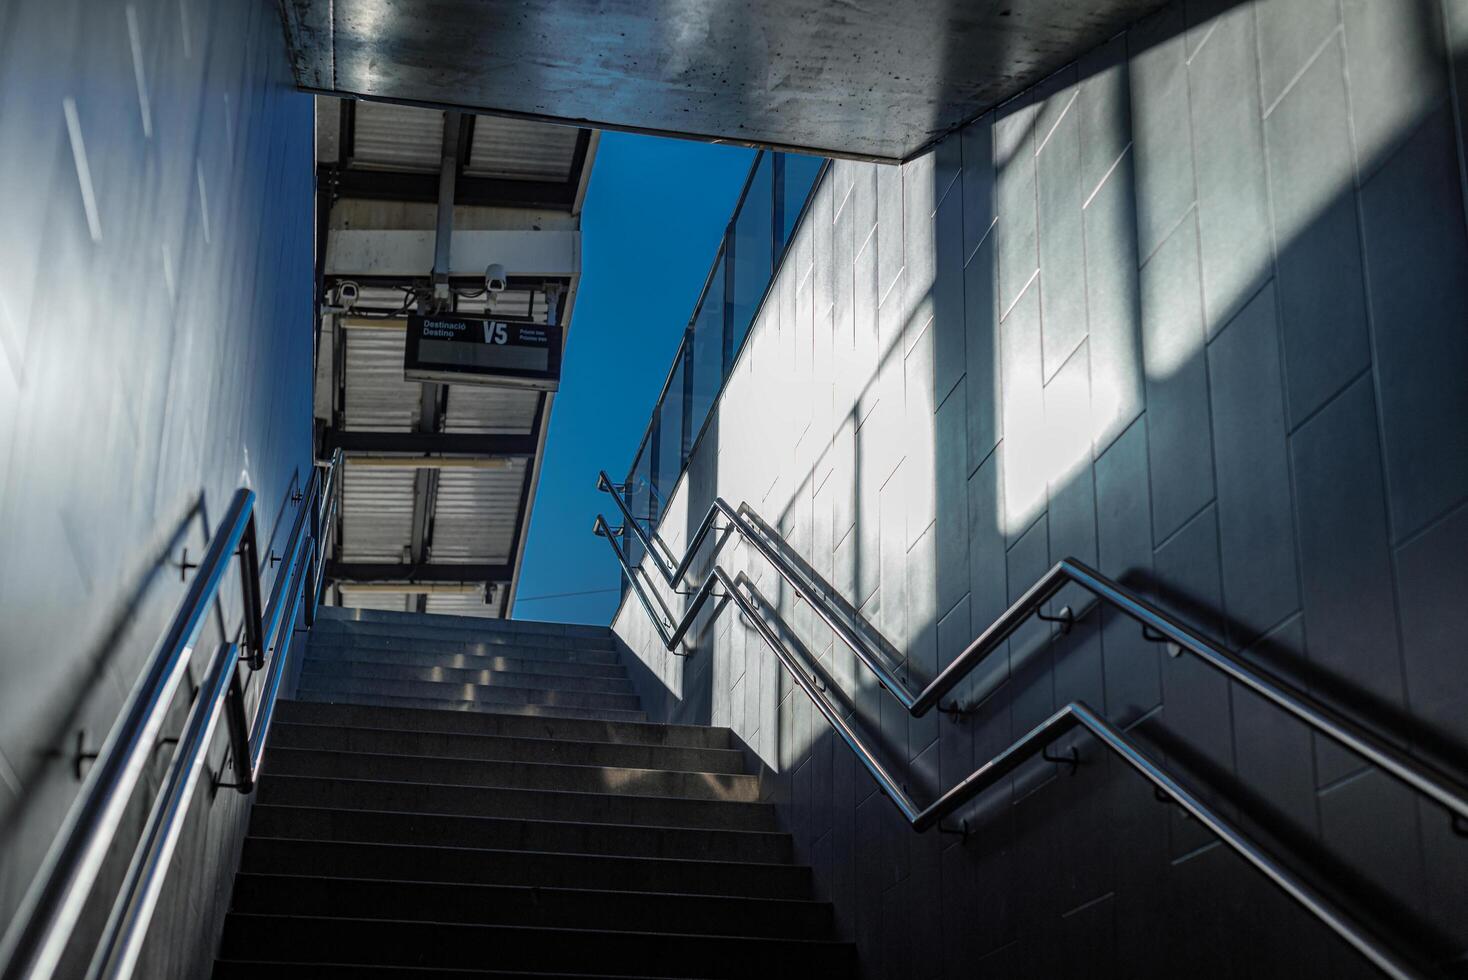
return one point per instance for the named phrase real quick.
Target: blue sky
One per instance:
(653, 216)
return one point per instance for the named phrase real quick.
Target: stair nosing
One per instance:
(308, 666)
(507, 762)
(601, 932)
(698, 896)
(491, 687)
(534, 820)
(524, 789)
(466, 971)
(726, 730)
(504, 738)
(528, 851)
(475, 706)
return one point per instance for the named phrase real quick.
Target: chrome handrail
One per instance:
(1427, 779)
(1417, 774)
(33, 945)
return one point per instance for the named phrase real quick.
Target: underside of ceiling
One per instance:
(869, 80)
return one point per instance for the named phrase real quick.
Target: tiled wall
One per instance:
(1194, 310)
(156, 230)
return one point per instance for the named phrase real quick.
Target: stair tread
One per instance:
(469, 760)
(480, 692)
(731, 760)
(783, 865)
(692, 814)
(314, 969)
(496, 676)
(369, 700)
(458, 722)
(538, 821)
(782, 940)
(618, 892)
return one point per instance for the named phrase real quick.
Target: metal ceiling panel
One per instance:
(385, 601)
(474, 516)
(519, 149)
(495, 411)
(462, 605)
(397, 137)
(878, 81)
(377, 513)
(377, 397)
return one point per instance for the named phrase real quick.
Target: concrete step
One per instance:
(738, 787)
(325, 670)
(519, 905)
(510, 661)
(431, 621)
(456, 945)
(477, 707)
(505, 748)
(504, 833)
(611, 808)
(545, 869)
(468, 635)
(338, 640)
(481, 693)
(275, 970)
(419, 720)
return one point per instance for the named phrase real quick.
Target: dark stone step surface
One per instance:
(642, 811)
(468, 707)
(512, 775)
(514, 661)
(506, 833)
(414, 719)
(482, 693)
(332, 643)
(454, 945)
(530, 906)
(505, 748)
(482, 677)
(339, 859)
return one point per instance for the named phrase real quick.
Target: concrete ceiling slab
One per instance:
(874, 80)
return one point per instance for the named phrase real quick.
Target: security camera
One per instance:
(495, 278)
(344, 295)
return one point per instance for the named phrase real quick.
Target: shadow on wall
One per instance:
(1192, 310)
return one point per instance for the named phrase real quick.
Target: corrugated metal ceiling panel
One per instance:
(386, 601)
(518, 149)
(474, 517)
(377, 397)
(397, 137)
(475, 408)
(377, 513)
(462, 605)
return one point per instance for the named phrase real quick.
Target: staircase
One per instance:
(453, 798)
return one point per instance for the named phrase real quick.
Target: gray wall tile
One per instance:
(979, 204)
(1432, 581)
(1233, 213)
(1062, 246)
(1177, 383)
(1322, 305)
(1256, 523)
(1160, 129)
(1113, 305)
(981, 352)
(1345, 561)
(1417, 263)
